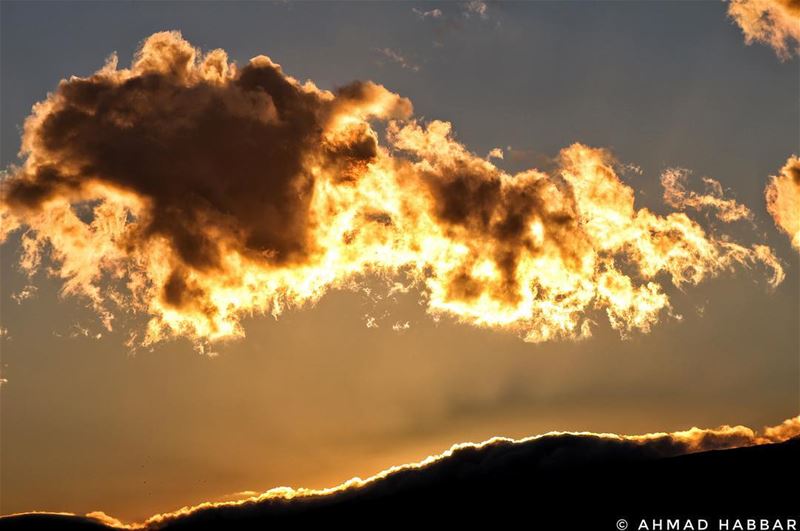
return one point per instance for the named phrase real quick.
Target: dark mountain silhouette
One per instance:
(559, 481)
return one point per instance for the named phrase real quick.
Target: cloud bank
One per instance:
(506, 467)
(196, 192)
(775, 23)
(783, 199)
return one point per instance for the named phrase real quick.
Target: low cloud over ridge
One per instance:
(196, 193)
(499, 459)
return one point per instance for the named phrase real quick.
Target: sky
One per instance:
(340, 386)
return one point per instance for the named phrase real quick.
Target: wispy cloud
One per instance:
(24, 294)
(433, 13)
(397, 58)
(677, 195)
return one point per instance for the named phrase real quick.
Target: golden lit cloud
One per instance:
(196, 192)
(788, 429)
(783, 199)
(775, 23)
(676, 195)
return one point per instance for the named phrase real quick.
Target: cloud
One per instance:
(433, 13)
(27, 292)
(495, 153)
(788, 429)
(783, 199)
(502, 473)
(107, 520)
(775, 23)
(195, 192)
(399, 327)
(397, 58)
(476, 7)
(676, 195)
